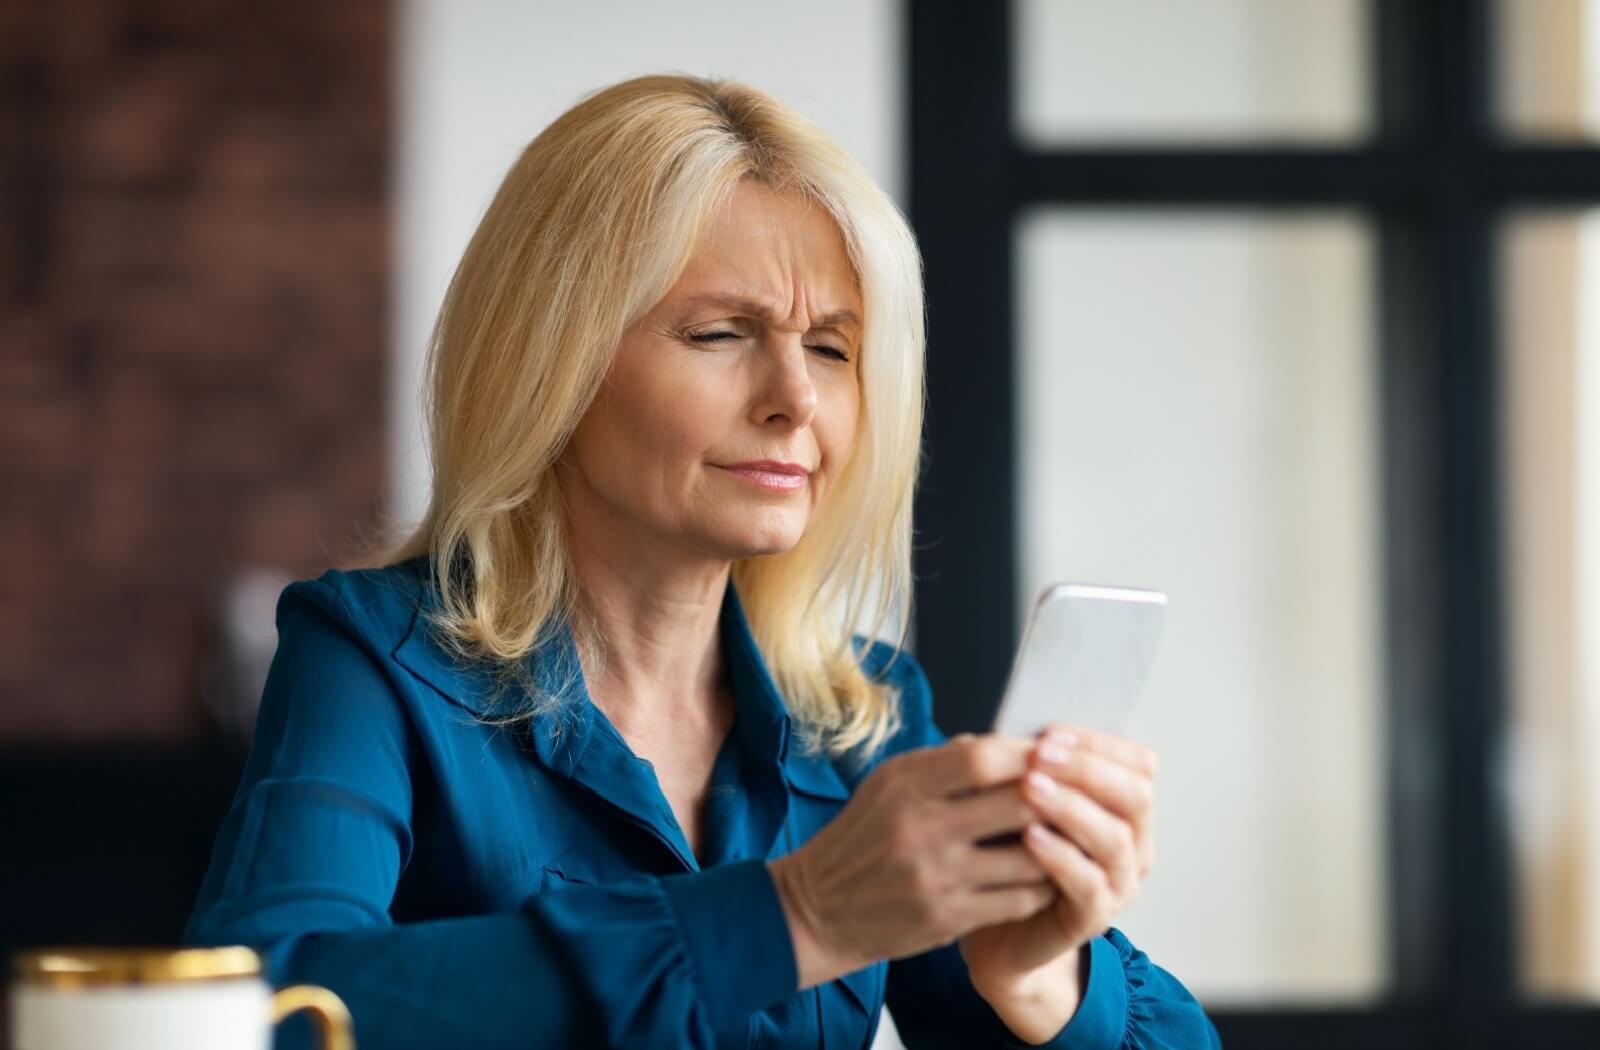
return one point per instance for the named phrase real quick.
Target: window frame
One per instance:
(1434, 181)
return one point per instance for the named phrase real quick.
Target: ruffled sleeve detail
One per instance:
(1130, 1004)
(1161, 1011)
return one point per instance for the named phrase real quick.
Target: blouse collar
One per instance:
(575, 740)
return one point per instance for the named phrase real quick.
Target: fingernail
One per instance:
(1064, 737)
(1042, 782)
(1053, 753)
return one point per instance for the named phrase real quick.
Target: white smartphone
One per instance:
(1084, 658)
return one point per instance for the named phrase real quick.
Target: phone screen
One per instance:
(1083, 659)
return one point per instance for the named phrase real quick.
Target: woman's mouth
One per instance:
(769, 479)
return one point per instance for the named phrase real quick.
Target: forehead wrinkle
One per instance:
(767, 309)
(750, 260)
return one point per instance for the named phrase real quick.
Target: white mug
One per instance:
(159, 999)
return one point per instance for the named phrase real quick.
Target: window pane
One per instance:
(1102, 70)
(1548, 66)
(1551, 374)
(1197, 413)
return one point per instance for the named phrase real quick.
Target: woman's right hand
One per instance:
(900, 870)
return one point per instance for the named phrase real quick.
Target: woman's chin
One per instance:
(755, 545)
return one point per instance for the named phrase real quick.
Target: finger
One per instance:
(992, 866)
(1129, 794)
(1007, 903)
(1079, 878)
(992, 811)
(1105, 837)
(969, 761)
(1129, 753)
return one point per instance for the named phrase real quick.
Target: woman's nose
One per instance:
(786, 389)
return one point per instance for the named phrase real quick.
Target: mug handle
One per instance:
(328, 1013)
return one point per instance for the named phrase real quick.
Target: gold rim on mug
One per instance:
(83, 967)
(74, 968)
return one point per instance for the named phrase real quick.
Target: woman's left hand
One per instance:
(1094, 794)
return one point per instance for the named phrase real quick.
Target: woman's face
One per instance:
(752, 355)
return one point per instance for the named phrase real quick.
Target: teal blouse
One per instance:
(461, 885)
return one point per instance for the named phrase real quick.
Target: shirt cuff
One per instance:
(736, 936)
(1102, 1017)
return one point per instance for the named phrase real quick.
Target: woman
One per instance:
(596, 759)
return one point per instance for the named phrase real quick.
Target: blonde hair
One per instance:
(590, 229)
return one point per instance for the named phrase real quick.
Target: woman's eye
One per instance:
(717, 337)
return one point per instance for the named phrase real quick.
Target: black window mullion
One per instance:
(1254, 176)
(1450, 48)
(1434, 274)
(961, 206)
(1415, 831)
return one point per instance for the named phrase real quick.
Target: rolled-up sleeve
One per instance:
(1128, 1002)
(306, 866)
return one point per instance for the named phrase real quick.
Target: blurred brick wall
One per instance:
(193, 272)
